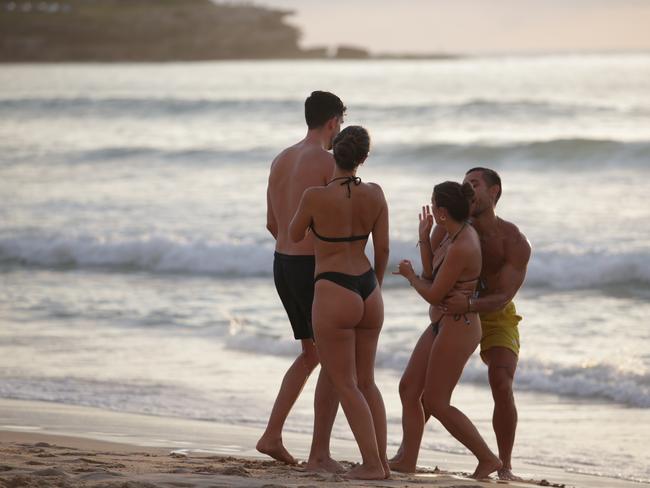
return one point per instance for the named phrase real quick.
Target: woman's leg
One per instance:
(411, 387)
(367, 336)
(335, 313)
(452, 348)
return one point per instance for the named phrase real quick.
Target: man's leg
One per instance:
(502, 364)
(326, 404)
(292, 384)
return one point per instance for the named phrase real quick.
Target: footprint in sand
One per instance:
(50, 472)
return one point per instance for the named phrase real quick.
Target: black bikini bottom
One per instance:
(435, 326)
(363, 285)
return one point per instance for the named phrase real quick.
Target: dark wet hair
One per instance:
(351, 146)
(320, 107)
(490, 177)
(456, 198)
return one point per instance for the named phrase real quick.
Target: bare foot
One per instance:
(401, 466)
(363, 472)
(275, 449)
(506, 474)
(398, 455)
(486, 468)
(327, 465)
(386, 467)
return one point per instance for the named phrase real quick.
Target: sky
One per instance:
(473, 26)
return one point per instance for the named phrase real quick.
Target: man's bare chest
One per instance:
(493, 251)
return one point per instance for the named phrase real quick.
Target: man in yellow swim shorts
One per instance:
(506, 252)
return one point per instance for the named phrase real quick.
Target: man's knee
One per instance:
(309, 357)
(501, 384)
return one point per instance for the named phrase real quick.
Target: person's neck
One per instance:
(340, 173)
(453, 227)
(485, 222)
(316, 136)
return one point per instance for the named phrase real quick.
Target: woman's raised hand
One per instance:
(426, 223)
(405, 268)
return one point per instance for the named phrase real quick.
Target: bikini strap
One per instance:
(348, 180)
(459, 231)
(478, 278)
(338, 239)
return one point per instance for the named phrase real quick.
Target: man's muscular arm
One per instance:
(271, 223)
(511, 277)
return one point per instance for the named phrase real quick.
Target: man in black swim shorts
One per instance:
(305, 164)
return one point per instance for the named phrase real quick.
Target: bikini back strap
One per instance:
(338, 239)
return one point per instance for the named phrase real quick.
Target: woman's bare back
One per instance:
(344, 209)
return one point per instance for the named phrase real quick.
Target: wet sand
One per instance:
(53, 445)
(37, 460)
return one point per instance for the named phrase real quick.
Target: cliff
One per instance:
(143, 30)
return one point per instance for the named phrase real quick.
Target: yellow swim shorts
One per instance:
(500, 329)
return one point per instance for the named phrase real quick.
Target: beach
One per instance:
(79, 446)
(137, 303)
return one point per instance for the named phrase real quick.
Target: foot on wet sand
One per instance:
(507, 475)
(397, 457)
(486, 468)
(275, 449)
(400, 466)
(363, 472)
(327, 465)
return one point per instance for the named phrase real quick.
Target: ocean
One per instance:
(135, 266)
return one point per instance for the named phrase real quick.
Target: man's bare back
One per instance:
(303, 165)
(295, 169)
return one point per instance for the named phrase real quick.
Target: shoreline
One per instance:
(152, 446)
(307, 59)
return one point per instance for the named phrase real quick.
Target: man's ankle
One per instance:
(320, 456)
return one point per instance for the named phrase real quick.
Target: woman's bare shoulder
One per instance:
(375, 190)
(467, 244)
(312, 193)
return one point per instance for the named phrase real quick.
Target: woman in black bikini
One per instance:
(445, 346)
(348, 311)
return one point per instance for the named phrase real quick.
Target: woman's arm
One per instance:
(302, 218)
(437, 236)
(447, 276)
(511, 276)
(380, 240)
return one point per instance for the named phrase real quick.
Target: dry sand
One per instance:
(55, 445)
(38, 460)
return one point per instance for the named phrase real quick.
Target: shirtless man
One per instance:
(505, 254)
(305, 164)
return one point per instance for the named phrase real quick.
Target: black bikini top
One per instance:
(347, 180)
(338, 239)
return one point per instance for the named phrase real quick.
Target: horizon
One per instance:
(495, 27)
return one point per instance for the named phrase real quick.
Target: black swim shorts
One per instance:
(294, 280)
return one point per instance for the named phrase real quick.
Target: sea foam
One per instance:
(167, 254)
